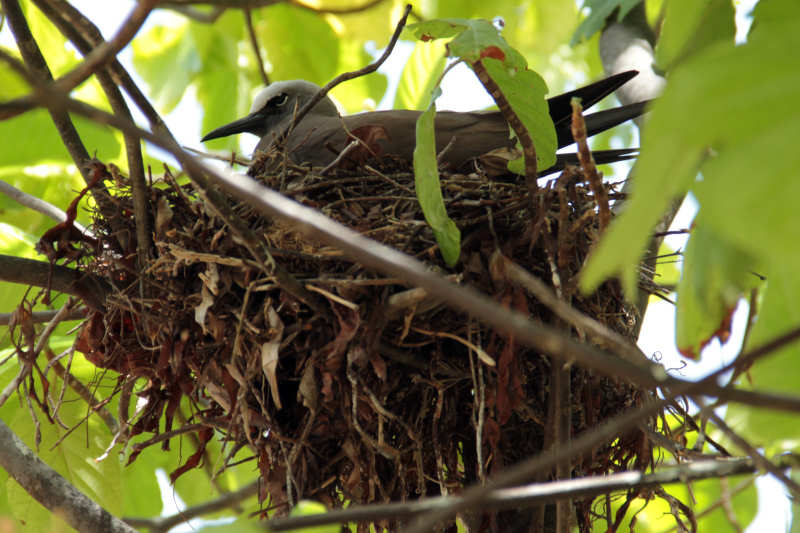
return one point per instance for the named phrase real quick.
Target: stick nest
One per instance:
(380, 393)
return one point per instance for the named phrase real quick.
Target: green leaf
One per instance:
(419, 75)
(362, 93)
(479, 40)
(60, 56)
(155, 56)
(244, 524)
(667, 271)
(218, 80)
(767, 14)
(12, 85)
(655, 514)
(19, 149)
(300, 44)
(601, 10)
(738, 100)
(429, 190)
(525, 91)
(715, 276)
(692, 25)
(779, 313)
(374, 24)
(73, 458)
(437, 28)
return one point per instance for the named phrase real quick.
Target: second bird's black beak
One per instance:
(252, 123)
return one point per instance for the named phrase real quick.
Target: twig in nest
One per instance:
(245, 162)
(347, 149)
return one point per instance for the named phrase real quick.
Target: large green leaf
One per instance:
(60, 57)
(692, 25)
(299, 44)
(479, 41)
(734, 99)
(429, 190)
(218, 79)
(374, 24)
(779, 313)
(420, 74)
(31, 139)
(167, 58)
(715, 276)
(362, 93)
(600, 11)
(73, 458)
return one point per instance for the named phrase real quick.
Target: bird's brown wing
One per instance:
(318, 140)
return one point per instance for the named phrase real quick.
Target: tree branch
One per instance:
(39, 205)
(54, 492)
(372, 67)
(97, 61)
(248, 20)
(163, 524)
(529, 495)
(41, 74)
(91, 290)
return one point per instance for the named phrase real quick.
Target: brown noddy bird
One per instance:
(323, 133)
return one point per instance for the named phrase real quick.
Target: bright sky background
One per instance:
(462, 92)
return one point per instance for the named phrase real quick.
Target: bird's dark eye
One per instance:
(277, 101)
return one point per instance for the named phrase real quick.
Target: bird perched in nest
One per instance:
(323, 133)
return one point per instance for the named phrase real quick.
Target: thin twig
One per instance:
(83, 391)
(38, 73)
(372, 67)
(248, 19)
(40, 206)
(38, 317)
(99, 60)
(226, 501)
(598, 332)
(54, 492)
(528, 495)
(758, 458)
(103, 53)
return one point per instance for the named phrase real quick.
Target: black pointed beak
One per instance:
(252, 123)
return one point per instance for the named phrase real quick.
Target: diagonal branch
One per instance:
(372, 67)
(53, 491)
(91, 290)
(165, 523)
(99, 59)
(41, 74)
(528, 495)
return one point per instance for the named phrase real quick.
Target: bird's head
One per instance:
(273, 108)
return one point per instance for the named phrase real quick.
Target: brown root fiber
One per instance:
(391, 395)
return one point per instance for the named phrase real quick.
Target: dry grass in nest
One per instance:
(390, 395)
